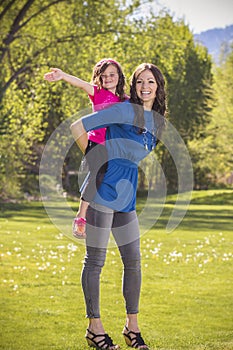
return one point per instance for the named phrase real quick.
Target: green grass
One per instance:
(186, 300)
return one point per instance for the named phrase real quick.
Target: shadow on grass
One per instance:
(207, 211)
(202, 214)
(215, 199)
(203, 220)
(27, 209)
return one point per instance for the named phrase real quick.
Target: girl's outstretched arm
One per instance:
(57, 74)
(79, 134)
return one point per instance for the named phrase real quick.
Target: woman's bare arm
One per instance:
(79, 134)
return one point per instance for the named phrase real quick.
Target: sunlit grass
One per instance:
(186, 300)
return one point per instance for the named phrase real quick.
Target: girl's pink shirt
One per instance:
(101, 99)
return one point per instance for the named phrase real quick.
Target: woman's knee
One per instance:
(131, 256)
(95, 257)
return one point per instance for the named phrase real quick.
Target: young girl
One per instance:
(107, 87)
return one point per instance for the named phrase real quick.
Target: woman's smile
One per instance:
(146, 88)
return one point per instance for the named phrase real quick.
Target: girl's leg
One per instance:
(96, 157)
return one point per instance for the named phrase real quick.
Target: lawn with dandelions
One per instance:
(186, 298)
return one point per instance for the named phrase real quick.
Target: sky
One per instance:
(201, 15)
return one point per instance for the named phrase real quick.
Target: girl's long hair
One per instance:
(159, 105)
(100, 68)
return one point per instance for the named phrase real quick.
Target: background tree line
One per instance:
(73, 35)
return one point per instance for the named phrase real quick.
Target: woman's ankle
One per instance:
(132, 323)
(96, 326)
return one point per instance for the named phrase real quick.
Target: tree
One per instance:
(36, 35)
(187, 69)
(215, 146)
(74, 35)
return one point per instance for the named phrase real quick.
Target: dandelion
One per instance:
(17, 249)
(60, 247)
(155, 251)
(72, 247)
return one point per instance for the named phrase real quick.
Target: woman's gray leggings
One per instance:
(125, 229)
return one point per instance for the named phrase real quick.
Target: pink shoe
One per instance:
(79, 228)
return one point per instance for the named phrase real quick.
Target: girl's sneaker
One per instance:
(79, 228)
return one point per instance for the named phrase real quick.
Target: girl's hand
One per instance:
(55, 75)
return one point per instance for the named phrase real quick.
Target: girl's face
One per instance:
(110, 78)
(146, 87)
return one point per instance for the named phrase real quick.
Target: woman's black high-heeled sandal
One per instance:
(105, 342)
(134, 339)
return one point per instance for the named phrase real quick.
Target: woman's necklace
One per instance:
(149, 146)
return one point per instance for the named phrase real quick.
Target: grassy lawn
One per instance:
(187, 290)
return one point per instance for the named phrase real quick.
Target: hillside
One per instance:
(217, 40)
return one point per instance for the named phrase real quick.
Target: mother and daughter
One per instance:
(130, 131)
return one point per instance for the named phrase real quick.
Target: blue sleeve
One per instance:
(119, 113)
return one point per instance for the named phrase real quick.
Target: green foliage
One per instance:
(214, 147)
(73, 35)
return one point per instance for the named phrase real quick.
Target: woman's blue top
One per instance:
(126, 148)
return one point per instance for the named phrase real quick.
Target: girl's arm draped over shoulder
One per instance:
(57, 74)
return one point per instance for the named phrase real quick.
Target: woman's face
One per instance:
(146, 87)
(110, 78)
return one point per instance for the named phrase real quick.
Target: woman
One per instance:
(133, 129)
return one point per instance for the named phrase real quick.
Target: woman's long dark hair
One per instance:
(159, 105)
(100, 68)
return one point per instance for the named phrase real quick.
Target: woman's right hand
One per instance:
(55, 75)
